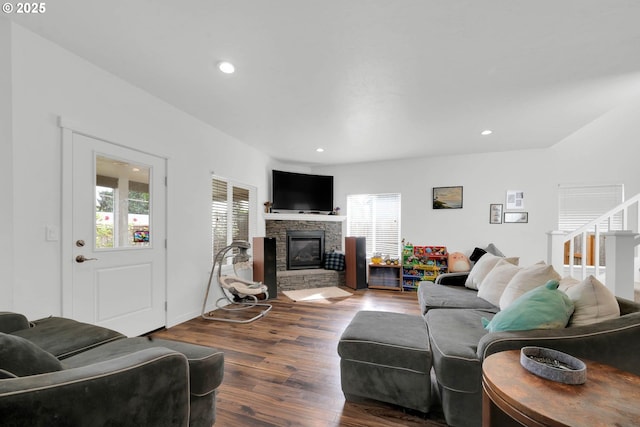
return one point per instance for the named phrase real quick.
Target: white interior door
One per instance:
(118, 237)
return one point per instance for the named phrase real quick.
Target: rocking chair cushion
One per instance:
(242, 287)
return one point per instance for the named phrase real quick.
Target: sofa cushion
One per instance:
(526, 279)
(494, 283)
(454, 337)
(20, 357)
(544, 307)
(483, 267)
(66, 337)
(593, 301)
(432, 295)
(206, 364)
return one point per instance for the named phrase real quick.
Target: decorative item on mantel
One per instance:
(267, 207)
(336, 211)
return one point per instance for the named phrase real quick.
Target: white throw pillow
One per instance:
(567, 282)
(593, 301)
(482, 267)
(496, 281)
(526, 279)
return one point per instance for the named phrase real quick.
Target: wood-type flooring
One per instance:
(284, 369)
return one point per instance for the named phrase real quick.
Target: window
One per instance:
(122, 204)
(233, 211)
(580, 204)
(376, 217)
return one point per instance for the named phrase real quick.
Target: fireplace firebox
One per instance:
(305, 249)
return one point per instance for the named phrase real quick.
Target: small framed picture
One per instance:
(495, 213)
(515, 200)
(447, 197)
(516, 217)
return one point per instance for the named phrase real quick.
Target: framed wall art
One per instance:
(495, 213)
(447, 197)
(516, 217)
(515, 200)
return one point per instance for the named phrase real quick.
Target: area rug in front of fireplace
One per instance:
(316, 293)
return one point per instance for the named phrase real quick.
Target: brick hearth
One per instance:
(306, 279)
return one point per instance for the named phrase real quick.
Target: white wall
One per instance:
(6, 168)
(49, 82)
(485, 179)
(610, 145)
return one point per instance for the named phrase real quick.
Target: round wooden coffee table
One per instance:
(511, 395)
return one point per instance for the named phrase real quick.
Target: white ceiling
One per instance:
(367, 79)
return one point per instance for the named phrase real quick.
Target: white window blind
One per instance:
(233, 212)
(219, 213)
(240, 214)
(580, 204)
(377, 218)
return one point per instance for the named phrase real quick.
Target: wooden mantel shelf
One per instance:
(303, 217)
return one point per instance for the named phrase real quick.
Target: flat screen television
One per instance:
(302, 192)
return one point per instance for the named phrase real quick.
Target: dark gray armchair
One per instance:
(144, 388)
(60, 372)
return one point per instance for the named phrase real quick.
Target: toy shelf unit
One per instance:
(421, 263)
(385, 276)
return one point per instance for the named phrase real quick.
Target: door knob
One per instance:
(81, 258)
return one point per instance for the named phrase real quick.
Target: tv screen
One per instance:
(302, 192)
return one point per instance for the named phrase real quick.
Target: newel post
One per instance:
(555, 250)
(619, 247)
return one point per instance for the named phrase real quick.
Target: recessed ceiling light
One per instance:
(320, 150)
(486, 132)
(226, 67)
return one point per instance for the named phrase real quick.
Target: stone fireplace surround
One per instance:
(277, 226)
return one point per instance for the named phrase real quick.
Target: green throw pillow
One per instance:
(544, 307)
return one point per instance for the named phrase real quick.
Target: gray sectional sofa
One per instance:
(459, 343)
(60, 372)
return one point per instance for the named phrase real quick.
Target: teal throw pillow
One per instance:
(544, 307)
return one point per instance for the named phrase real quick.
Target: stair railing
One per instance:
(558, 240)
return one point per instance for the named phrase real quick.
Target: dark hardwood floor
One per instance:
(283, 370)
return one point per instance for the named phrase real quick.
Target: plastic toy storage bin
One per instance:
(420, 263)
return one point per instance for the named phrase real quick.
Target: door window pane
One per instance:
(122, 207)
(104, 217)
